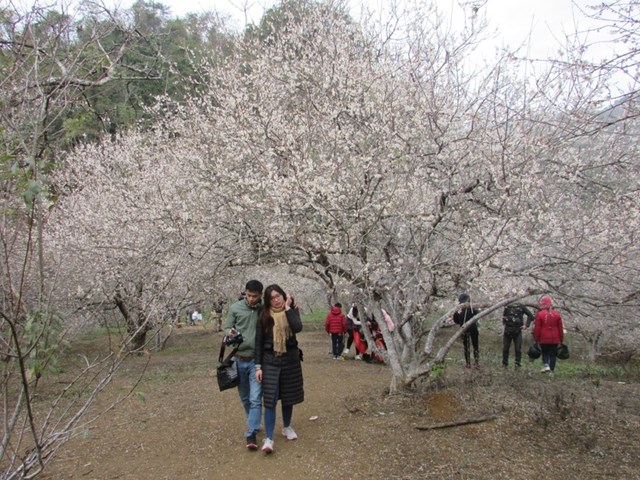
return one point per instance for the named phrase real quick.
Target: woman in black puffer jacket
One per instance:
(278, 364)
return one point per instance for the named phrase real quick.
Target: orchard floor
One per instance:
(177, 425)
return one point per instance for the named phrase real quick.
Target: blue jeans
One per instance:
(250, 391)
(270, 417)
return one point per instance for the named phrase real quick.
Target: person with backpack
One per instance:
(461, 317)
(513, 324)
(549, 333)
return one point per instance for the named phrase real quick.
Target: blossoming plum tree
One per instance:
(377, 157)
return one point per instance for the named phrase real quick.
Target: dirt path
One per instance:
(179, 426)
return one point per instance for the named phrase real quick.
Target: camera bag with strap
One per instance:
(227, 370)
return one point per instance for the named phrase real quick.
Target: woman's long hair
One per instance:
(266, 321)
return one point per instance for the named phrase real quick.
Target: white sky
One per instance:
(547, 20)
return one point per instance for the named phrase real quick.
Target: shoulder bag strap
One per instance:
(221, 356)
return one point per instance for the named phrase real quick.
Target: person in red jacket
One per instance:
(548, 332)
(336, 326)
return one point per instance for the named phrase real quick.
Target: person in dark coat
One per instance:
(549, 333)
(462, 316)
(278, 365)
(513, 323)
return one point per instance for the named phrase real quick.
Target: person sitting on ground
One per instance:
(376, 334)
(360, 344)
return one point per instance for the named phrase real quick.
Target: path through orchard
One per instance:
(179, 426)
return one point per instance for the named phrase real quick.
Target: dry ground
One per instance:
(179, 426)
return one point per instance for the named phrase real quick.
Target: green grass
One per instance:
(101, 332)
(590, 370)
(315, 318)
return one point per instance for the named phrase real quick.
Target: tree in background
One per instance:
(367, 154)
(49, 60)
(384, 160)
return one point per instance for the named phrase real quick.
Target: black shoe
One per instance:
(252, 442)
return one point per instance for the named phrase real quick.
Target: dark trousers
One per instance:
(336, 344)
(349, 339)
(507, 338)
(471, 335)
(549, 354)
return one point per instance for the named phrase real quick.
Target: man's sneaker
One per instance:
(252, 443)
(358, 357)
(546, 369)
(345, 351)
(267, 445)
(289, 433)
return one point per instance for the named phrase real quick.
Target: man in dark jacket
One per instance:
(461, 317)
(513, 324)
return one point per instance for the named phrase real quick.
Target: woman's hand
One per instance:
(287, 303)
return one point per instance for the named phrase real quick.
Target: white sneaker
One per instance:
(267, 445)
(289, 433)
(346, 350)
(546, 369)
(358, 357)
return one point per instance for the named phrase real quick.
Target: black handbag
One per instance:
(563, 352)
(227, 370)
(534, 351)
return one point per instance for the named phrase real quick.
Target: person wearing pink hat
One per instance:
(548, 333)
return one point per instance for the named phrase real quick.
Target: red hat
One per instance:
(545, 302)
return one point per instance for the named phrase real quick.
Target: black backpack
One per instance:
(512, 316)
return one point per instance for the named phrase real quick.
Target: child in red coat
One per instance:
(336, 326)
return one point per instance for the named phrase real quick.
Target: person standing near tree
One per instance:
(513, 324)
(353, 322)
(549, 333)
(243, 318)
(278, 364)
(336, 326)
(216, 315)
(196, 317)
(461, 317)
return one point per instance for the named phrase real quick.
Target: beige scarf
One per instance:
(281, 331)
